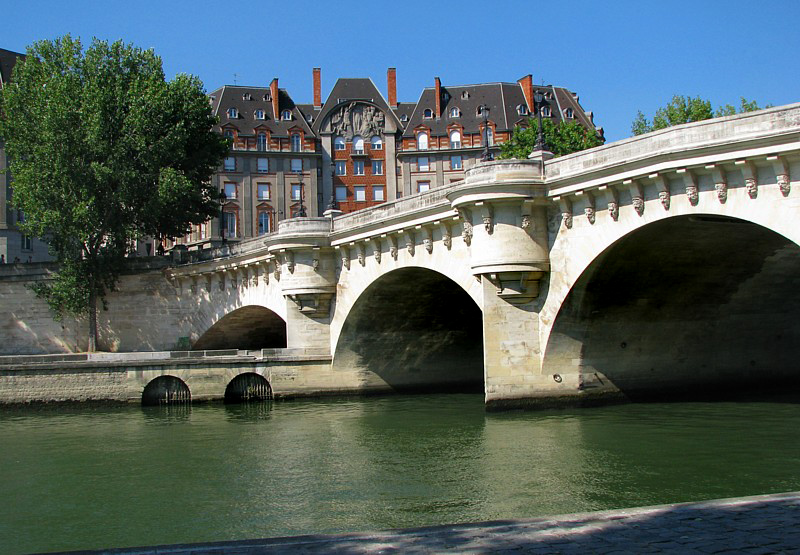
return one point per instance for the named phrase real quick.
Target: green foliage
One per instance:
(685, 109)
(104, 150)
(560, 139)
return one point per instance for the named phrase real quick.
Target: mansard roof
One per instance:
(8, 60)
(247, 100)
(353, 88)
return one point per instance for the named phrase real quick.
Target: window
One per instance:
(358, 145)
(378, 192)
(263, 191)
(422, 164)
(464, 95)
(297, 165)
(454, 112)
(404, 118)
(263, 223)
(233, 113)
(522, 110)
(338, 143)
(297, 145)
(341, 167)
(261, 141)
(358, 167)
(230, 163)
(377, 167)
(455, 163)
(545, 111)
(423, 186)
(297, 190)
(341, 193)
(427, 114)
(376, 143)
(203, 230)
(259, 114)
(228, 134)
(455, 139)
(230, 191)
(286, 115)
(360, 193)
(489, 136)
(25, 242)
(229, 224)
(422, 141)
(569, 113)
(263, 165)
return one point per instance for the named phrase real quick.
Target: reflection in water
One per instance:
(87, 477)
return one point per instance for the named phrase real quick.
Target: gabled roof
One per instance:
(8, 60)
(353, 88)
(235, 96)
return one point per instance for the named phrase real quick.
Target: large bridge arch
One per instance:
(250, 327)
(413, 328)
(685, 303)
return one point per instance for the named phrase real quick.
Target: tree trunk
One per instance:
(92, 317)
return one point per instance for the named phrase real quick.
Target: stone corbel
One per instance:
(781, 174)
(662, 186)
(265, 271)
(409, 241)
(447, 237)
(612, 200)
(254, 275)
(720, 182)
(278, 263)
(750, 175)
(289, 258)
(315, 258)
(566, 210)
(690, 185)
(427, 237)
(360, 253)
(487, 216)
(637, 195)
(313, 304)
(392, 245)
(344, 253)
(376, 248)
(526, 220)
(466, 222)
(589, 209)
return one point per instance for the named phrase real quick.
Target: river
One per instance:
(92, 477)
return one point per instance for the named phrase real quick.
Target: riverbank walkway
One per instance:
(750, 525)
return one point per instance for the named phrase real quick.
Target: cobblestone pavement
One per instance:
(750, 525)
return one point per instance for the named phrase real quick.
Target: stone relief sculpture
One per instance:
(692, 194)
(722, 191)
(357, 118)
(567, 218)
(466, 231)
(589, 211)
(638, 205)
(526, 222)
(663, 196)
(783, 184)
(410, 244)
(613, 210)
(752, 187)
(393, 251)
(447, 239)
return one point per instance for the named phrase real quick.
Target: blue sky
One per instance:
(618, 56)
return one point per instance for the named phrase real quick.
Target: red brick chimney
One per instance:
(527, 89)
(391, 83)
(438, 98)
(273, 92)
(317, 88)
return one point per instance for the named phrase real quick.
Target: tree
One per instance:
(685, 109)
(561, 139)
(104, 150)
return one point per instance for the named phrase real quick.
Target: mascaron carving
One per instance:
(783, 184)
(638, 205)
(692, 194)
(722, 191)
(567, 217)
(663, 196)
(466, 231)
(613, 210)
(393, 251)
(526, 222)
(589, 211)
(447, 239)
(752, 187)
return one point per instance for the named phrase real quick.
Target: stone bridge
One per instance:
(659, 264)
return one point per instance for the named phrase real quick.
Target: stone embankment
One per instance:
(759, 524)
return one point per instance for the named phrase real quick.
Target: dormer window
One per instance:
(545, 111)
(522, 110)
(404, 118)
(286, 115)
(464, 95)
(338, 143)
(455, 112)
(233, 113)
(569, 113)
(247, 96)
(259, 114)
(422, 141)
(228, 134)
(445, 96)
(479, 110)
(309, 118)
(427, 114)
(266, 97)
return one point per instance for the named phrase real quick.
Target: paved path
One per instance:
(752, 525)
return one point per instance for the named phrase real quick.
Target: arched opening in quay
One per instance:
(247, 328)
(414, 329)
(166, 390)
(248, 388)
(688, 307)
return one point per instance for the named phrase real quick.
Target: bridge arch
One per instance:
(247, 387)
(686, 304)
(413, 328)
(250, 327)
(166, 390)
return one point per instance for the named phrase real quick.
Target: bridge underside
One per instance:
(249, 327)
(413, 330)
(686, 307)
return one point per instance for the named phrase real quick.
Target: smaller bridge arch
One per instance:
(166, 390)
(250, 327)
(248, 387)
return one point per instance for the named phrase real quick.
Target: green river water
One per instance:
(94, 477)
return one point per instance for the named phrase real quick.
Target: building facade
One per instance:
(359, 147)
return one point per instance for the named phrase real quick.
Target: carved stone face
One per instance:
(613, 210)
(361, 258)
(254, 280)
(428, 245)
(315, 264)
(526, 222)
(393, 251)
(751, 187)
(663, 196)
(692, 195)
(487, 223)
(638, 205)
(277, 272)
(345, 261)
(410, 247)
(377, 254)
(466, 233)
(447, 239)
(783, 184)
(589, 211)
(567, 217)
(722, 191)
